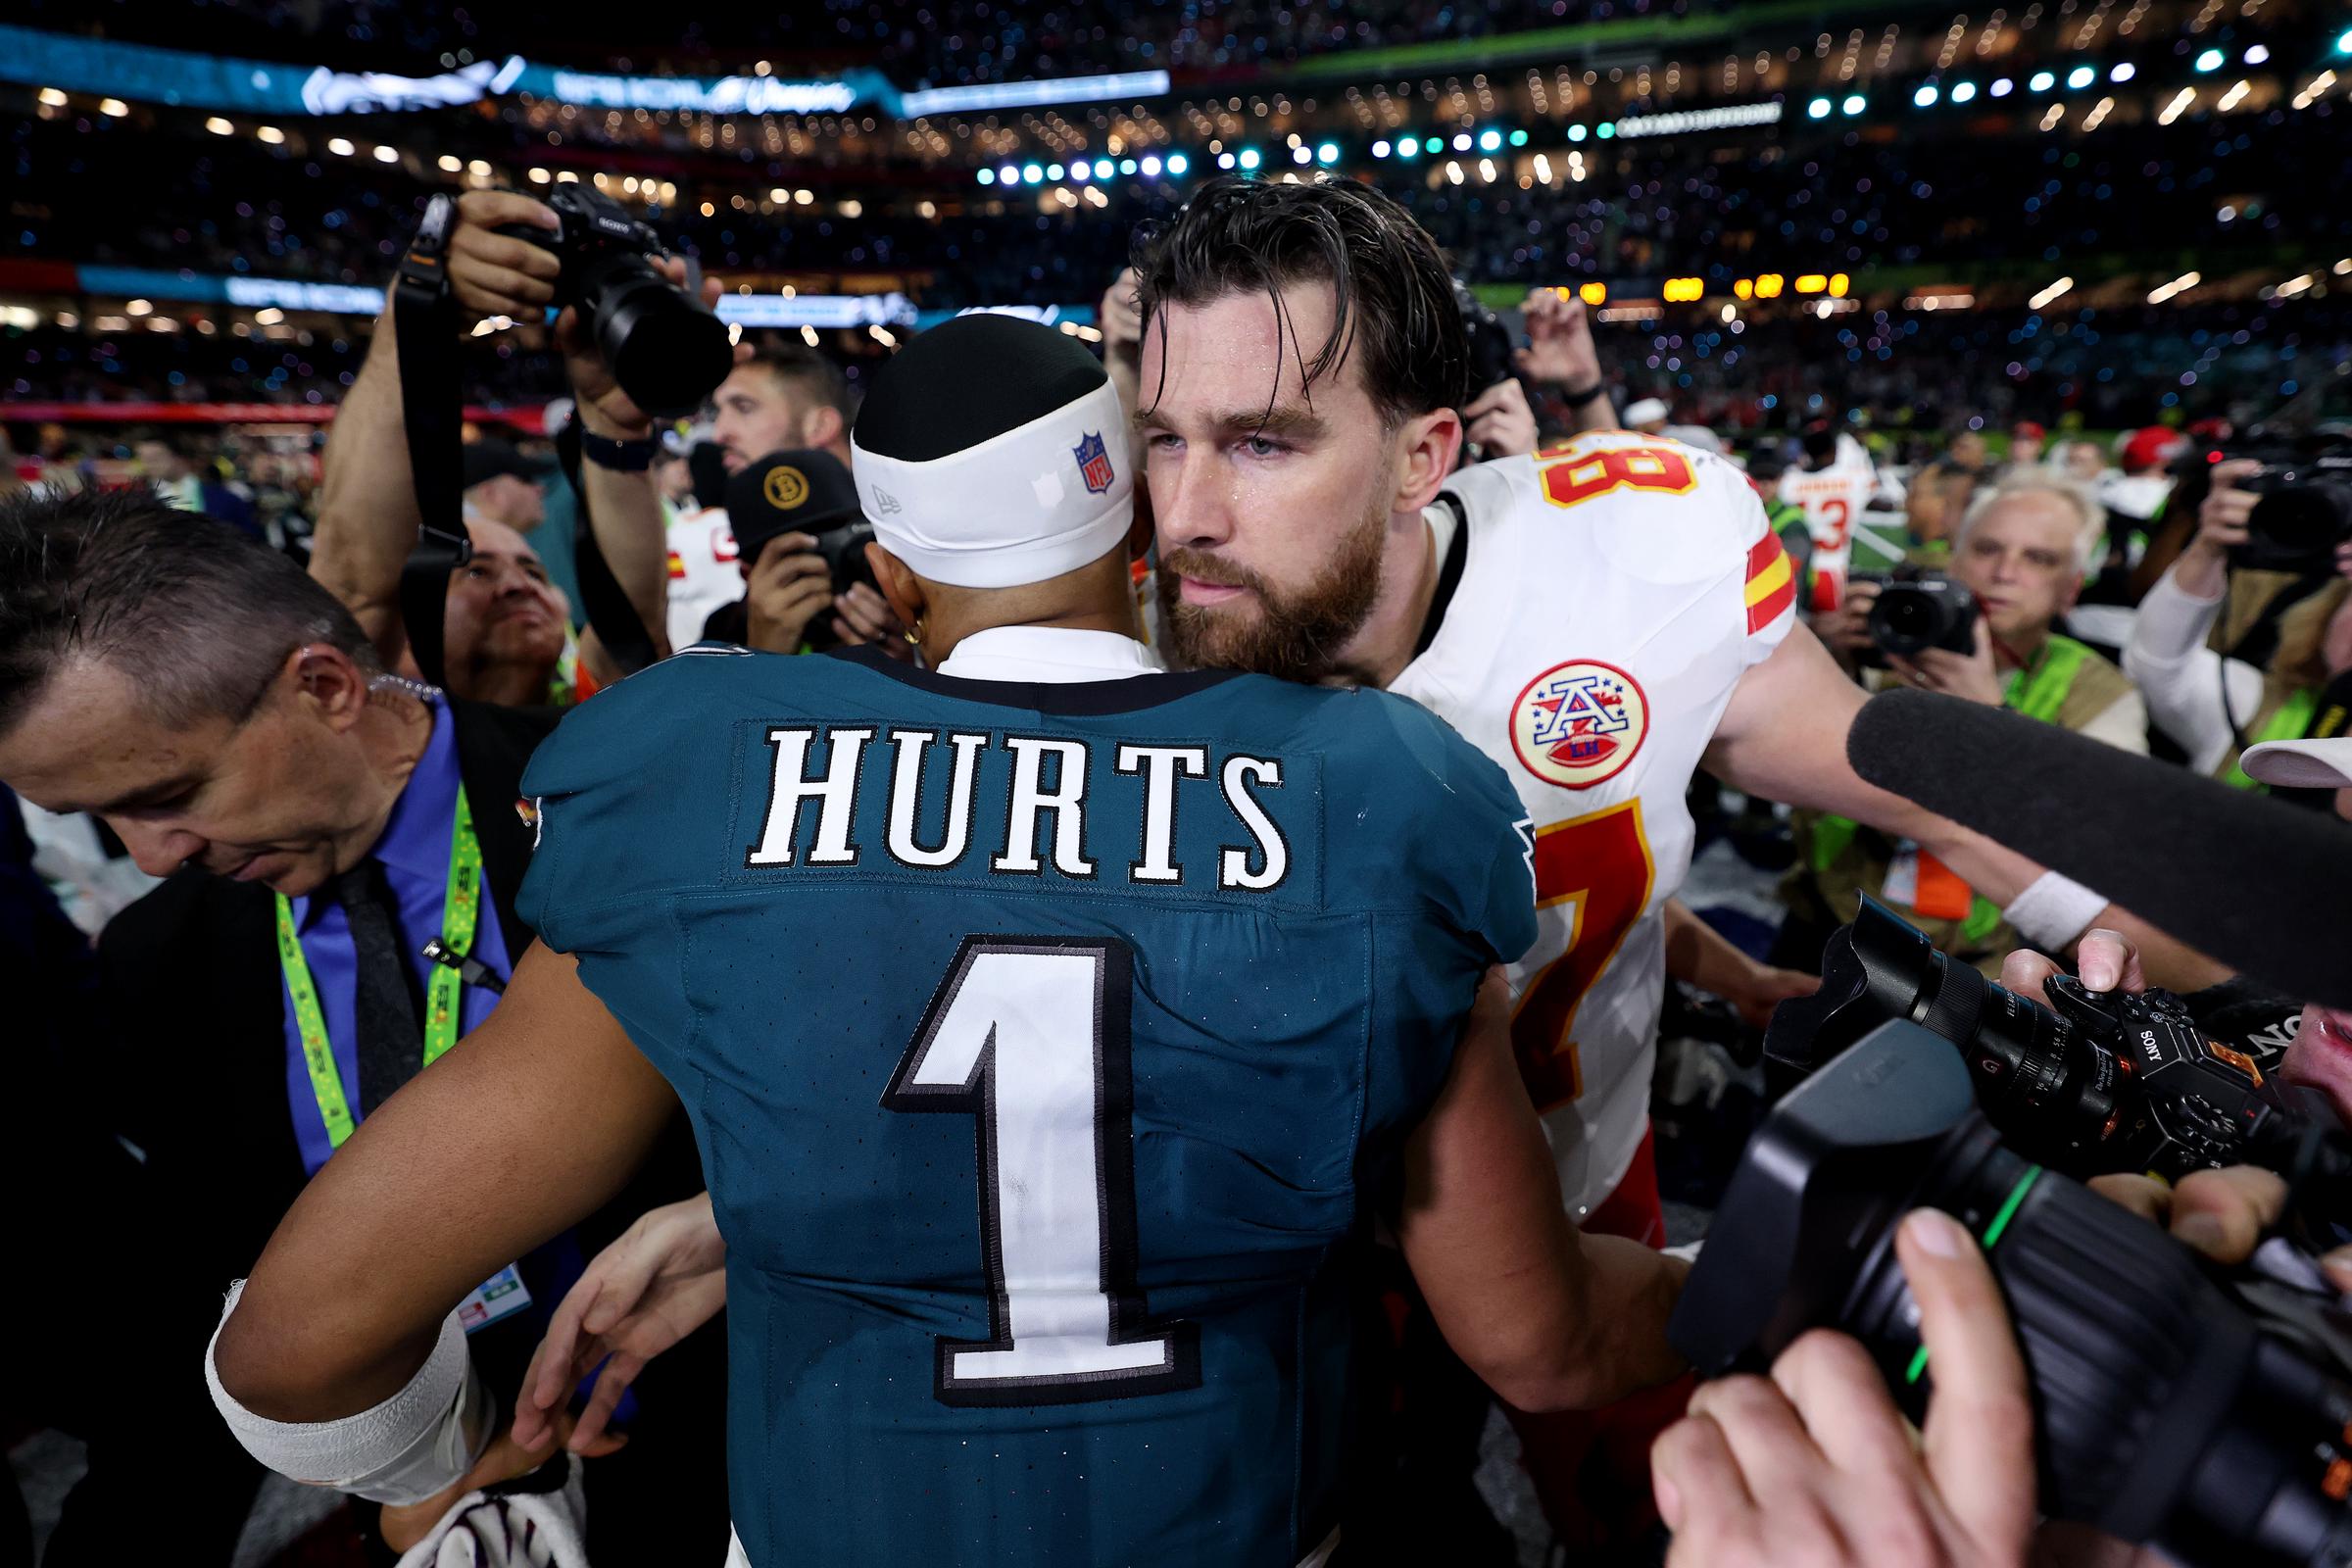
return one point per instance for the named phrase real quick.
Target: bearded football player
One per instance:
(1602, 618)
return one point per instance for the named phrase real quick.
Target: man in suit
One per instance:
(321, 822)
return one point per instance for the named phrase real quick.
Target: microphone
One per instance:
(2258, 883)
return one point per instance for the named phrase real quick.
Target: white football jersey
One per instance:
(1614, 591)
(702, 574)
(1832, 500)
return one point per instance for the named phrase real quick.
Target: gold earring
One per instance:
(914, 633)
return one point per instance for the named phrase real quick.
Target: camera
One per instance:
(2109, 1082)
(1917, 608)
(2211, 1421)
(666, 349)
(1489, 338)
(2306, 506)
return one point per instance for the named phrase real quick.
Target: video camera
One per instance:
(666, 348)
(2210, 1418)
(1918, 607)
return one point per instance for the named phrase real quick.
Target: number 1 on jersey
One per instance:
(1601, 865)
(1029, 1036)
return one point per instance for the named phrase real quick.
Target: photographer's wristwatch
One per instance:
(628, 457)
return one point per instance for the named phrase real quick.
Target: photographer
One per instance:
(1814, 1464)
(2021, 553)
(368, 519)
(2206, 702)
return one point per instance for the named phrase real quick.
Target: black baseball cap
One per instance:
(490, 457)
(796, 489)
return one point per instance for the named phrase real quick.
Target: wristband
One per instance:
(625, 457)
(1577, 399)
(2053, 912)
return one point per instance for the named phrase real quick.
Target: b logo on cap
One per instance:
(786, 487)
(1093, 463)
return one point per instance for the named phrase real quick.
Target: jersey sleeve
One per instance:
(1769, 579)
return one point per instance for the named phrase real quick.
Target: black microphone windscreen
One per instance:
(2252, 882)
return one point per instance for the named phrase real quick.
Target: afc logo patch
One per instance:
(1093, 463)
(1579, 724)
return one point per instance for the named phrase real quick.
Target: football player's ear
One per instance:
(898, 584)
(1426, 449)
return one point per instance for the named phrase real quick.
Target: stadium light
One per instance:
(1435, 144)
(1249, 159)
(1576, 133)
(2180, 101)
(2127, 71)
(1812, 283)
(1518, 138)
(112, 108)
(1926, 96)
(1054, 170)
(269, 134)
(1593, 293)
(1127, 166)
(53, 98)
(2344, 42)
(1769, 285)
(1380, 149)
(988, 176)
(1178, 163)
(1301, 155)
(2211, 60)
(2050, 295)
(1409, 147)
(1328, 153)
(1151, 166)
(1854, 104)
(220, 128)
(2082, 77)
(2041, 81)
(1609, 129)
(452, 163)
(1963, 91)
(1032, 173)
(2234, 96)
(1490, 141)
(1818, 109)
(2002, 87)
(387, 155)
(340, 147)
(2258, 54)
(2178, 285)
(1105, 169)
(1461, 141)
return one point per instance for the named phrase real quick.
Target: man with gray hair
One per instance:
(226, 713)
(2024, 550)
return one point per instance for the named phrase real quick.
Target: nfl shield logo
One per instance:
(1093, 463)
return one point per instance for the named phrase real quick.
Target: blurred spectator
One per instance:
(177, 480)
(2021, 551)
(2209, 705)
(1941, 493)
(2025, 448)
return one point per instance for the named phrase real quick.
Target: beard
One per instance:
(1293, 636)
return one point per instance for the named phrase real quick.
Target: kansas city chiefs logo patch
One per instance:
(1579, 724)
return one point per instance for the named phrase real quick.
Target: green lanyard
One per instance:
(460, 908)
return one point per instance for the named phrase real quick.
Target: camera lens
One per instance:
(666, 352)
(1904, 621)
(2306, 515)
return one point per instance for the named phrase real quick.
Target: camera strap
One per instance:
(425, 328)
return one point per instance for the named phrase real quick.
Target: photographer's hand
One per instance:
(1500, 423)
(787, 586)
(1560, 353)
(1815, 1466)
(495, 275)
(863, 617)
(1970, 675)
(1845, 630)
(2202, 570)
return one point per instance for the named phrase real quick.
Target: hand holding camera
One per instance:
(1559, 348)
(636, 344)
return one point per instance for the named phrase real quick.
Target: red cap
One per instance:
(2027, 429)
(2149, 447)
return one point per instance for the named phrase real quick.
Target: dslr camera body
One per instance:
(2211, 1417)
(2306, 506)
(666, 348)
(1918, 607)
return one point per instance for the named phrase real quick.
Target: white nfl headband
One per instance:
(1038, 501)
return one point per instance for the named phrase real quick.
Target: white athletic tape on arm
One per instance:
(418, 1442)
(2054, 911)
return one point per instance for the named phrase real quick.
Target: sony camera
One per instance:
(1917, 608)
(2207, 1416)
(666, 348)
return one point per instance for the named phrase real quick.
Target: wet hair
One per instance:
(197, 615)
(1394, 307)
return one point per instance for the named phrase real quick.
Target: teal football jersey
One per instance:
(1041, 1043)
